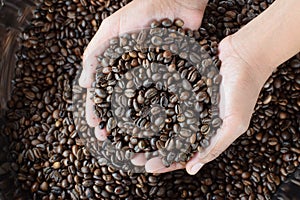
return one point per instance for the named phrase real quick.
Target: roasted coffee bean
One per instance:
(179, 23)
(156, 40)
(44, 186)
(216, 122)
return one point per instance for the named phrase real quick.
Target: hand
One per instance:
(135, 15)
(239, 91)
(248, 58)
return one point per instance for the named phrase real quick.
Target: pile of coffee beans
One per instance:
(14, 16)
(51, 149)
(289, 188)
(157, 91)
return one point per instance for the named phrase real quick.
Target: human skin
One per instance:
(248, 59)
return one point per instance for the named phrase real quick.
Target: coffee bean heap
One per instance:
(51, 148)
(158, 90)
(289, 188)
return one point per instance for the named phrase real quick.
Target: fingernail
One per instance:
(154, 169)
(195, 168)
(154, 165)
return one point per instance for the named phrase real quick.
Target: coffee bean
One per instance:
(166, 22)
(157, 41)
(44, 186)
(129, 93)
(150, 93)
(101, 93)
(273, 141)
(216, 122)
(245, 175)
(179, 22)
(141, 144)
(119, 190)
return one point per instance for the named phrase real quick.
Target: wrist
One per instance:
(271, 38)
(231, 52)
(256, 60)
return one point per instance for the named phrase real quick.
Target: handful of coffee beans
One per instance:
(156, 92)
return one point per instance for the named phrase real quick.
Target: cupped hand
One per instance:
(239, 90)
(136, 15)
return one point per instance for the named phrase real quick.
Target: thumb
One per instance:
(95, 48)
(230, 130)
(237, 101)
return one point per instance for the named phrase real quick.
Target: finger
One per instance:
(122, 21)
(91, 118)
(219, 143)
(235, 117)
(155, 165)
(100, 134)
(95, 48)
(139, 159)
(118, 23)
(87, 75)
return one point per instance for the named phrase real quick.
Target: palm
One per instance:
(238, 94)
(126, 20)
